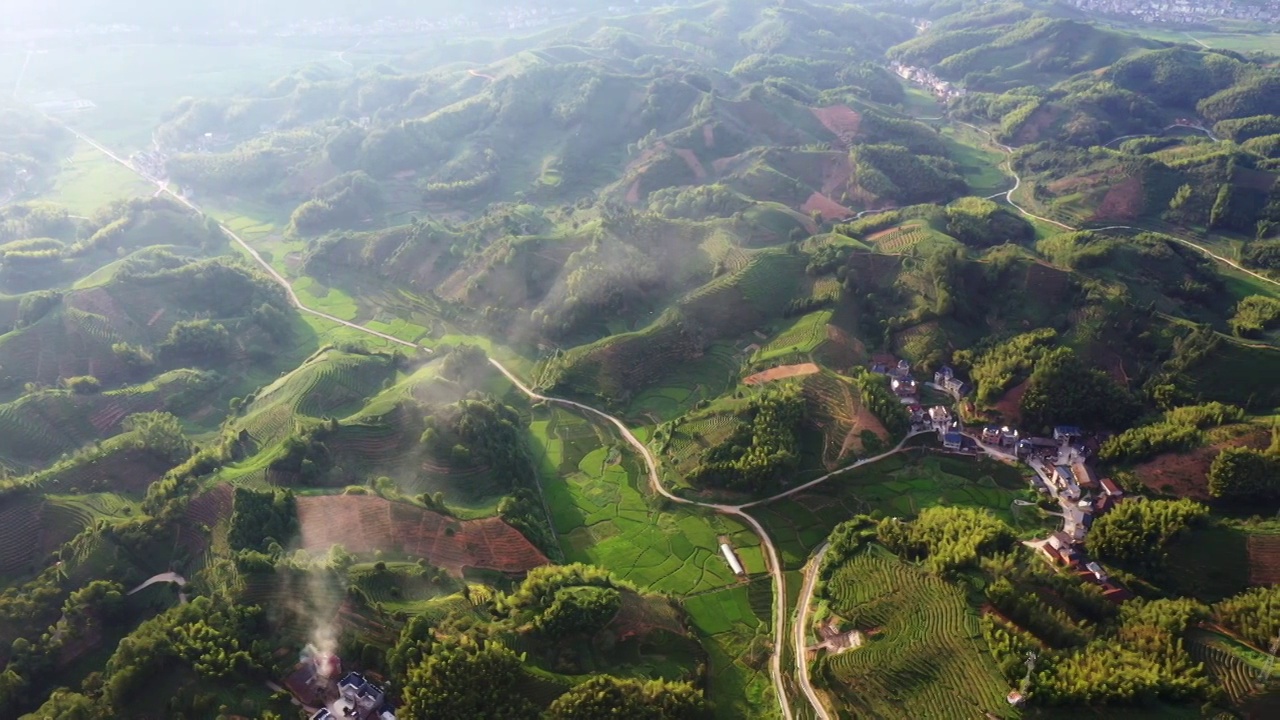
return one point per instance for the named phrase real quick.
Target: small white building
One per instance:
(732, 558)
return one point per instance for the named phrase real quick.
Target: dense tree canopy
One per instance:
(1138, 532)
(465, 678)
(604, 696)
(1246, 475)
(1064, 390)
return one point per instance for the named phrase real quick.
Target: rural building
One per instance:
(903, 387)
(1110, 489)
(732, 558)
(362, 699)
(1096, 570)
(953, 441)
(939, 414)
(917, 412)
(1115, 593)
(1066, 432)
(1084, 476)
(1008, 436)
(879, 369)
(1027, 446)
(991, 435)
(1015, 698)
(1066, 481)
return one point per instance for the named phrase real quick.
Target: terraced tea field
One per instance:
(1226, 667)
(925, 657)
(603, 514)
(899, 485)
(899, 239)
(802, 336)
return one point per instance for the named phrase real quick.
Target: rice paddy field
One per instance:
(925, 656)
(898, 486)
(734, 624)
(604, 514)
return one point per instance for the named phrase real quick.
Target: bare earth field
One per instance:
(365, 523)
(779, 373)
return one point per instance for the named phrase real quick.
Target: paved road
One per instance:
(1017, 183)
(802, 625)
(655, 481)
(169, 577)
(280, 279)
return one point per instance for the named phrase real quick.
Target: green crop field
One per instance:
(734, 627)
(899, 486)
(604, 515)
(926, 656)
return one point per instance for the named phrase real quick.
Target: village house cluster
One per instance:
(925, 78)
(1060, 462)
(1185, 12)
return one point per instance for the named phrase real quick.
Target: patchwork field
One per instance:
(925, 657)
(900, 485)
(734, 627)
(604, 514)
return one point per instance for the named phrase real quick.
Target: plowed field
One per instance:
(1264, 560)
(363, 524)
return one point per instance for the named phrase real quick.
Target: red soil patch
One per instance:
(841, 120)
(1122, 202)
(158, 314)
(829, 209)
(709, 135)
(633, 193)
(778, 373)
(1010, 403)
(1035, 126)
(1186, 474)
(364, 523)
(694, 164)
(1264, 560)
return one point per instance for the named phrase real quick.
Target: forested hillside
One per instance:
(859, 350)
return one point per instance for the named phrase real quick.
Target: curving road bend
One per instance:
(802, 624)
(775, 564)
(1017, 183)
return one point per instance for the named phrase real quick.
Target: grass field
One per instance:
(979, 162)
(89, 180)
(604, 515)
(926, 657)
(899, 486)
